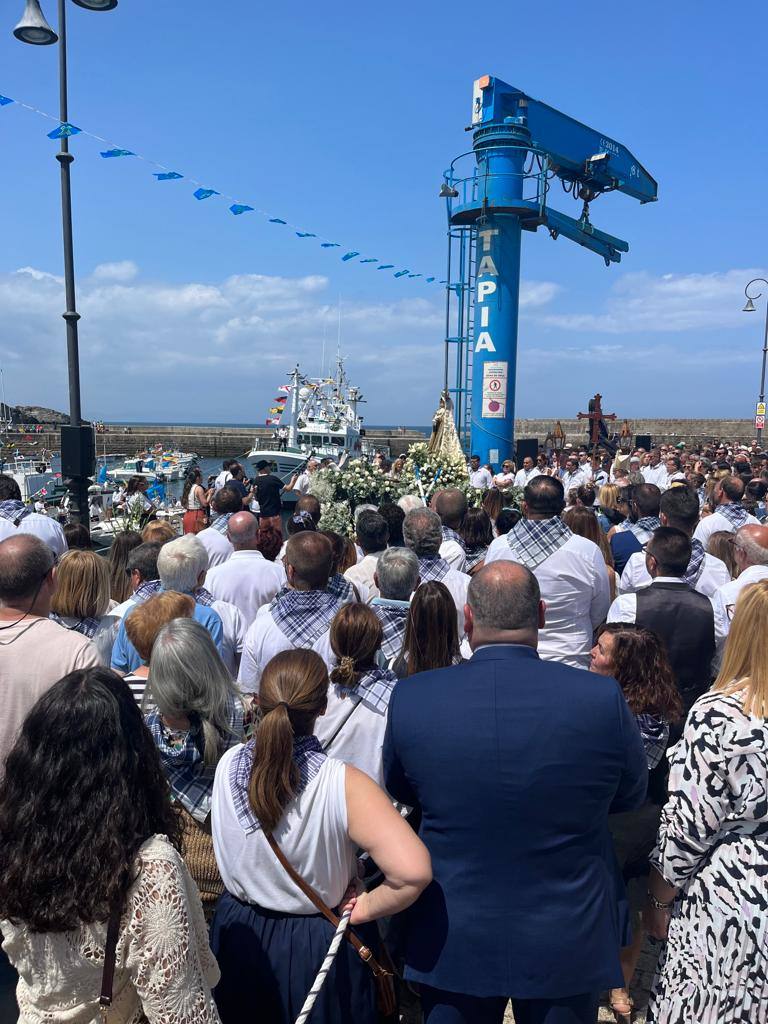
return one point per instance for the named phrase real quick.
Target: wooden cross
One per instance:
(596, 416)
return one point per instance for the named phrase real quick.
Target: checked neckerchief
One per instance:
(303, 615)
(696, 564)
(183, 759)
(87, 625)
(475, 556)
(308, 757)
(449, 534)
(220, 522)
(433, 568)
(533, 541)
(393, 616)
(374, 688)
(146, 590)
(14, 511)
(736, 514)
(341, 589)
(644, 527)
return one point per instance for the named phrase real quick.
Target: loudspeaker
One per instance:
(643, 441)
(78, 451)
(525, 447)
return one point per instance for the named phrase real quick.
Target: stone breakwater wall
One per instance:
(234, 442)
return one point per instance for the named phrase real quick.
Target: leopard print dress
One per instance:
(713, 846)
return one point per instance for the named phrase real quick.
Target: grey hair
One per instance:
(180, 563)
(364, 508)
(409, 502)
(504, 604)
(756, 553)
(188, 678)
(423, 532)
(398, 572)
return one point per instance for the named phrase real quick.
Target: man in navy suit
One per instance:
(515, 763)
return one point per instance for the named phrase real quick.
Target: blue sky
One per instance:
(340, 118)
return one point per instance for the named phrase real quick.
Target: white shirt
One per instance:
(222, 480)
(302, 483)
(655, 475)
(233, 629)
(263, 640)
(312, 834)
(502, 480)
(524, 475)
(216, 544)
(481, 478)
(571, 480)
(574, 587)
(362, 576)
(454, 554)
(714, 574)
(725, 597)
(457, 584)
(360, 739)
(716, 523)
(585, 468)
(43, 527)
(246, 580)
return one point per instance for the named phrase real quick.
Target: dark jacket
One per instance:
(515, 763)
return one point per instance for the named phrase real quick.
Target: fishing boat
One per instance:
(155, 465)
(34, 475)
(319, 418)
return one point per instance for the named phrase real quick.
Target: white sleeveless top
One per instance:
(193, 502)
(312, 834)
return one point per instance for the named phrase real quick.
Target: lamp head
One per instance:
(750, 306)
(33, 28)
(97, 5)
(446, 192)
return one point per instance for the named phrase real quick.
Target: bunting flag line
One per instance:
(65, 130)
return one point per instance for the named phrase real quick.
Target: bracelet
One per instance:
(659, 904)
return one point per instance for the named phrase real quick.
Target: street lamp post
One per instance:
(77, 441)
(750, 308)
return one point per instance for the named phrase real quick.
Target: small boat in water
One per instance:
(155, 465)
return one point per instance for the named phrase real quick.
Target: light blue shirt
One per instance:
(125, 657)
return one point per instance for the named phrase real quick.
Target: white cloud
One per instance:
(124, 270)
(641, 302)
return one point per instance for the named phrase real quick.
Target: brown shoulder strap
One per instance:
(110, 958)
(362, 950)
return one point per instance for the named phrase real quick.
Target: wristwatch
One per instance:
(659, 904)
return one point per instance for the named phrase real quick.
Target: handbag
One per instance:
(110, 958)
(384, 978)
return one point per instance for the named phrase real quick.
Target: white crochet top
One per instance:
(165, 968)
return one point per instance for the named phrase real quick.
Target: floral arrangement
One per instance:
(424, 472)
(336, 516)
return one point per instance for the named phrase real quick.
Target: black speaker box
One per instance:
(78, 451)
(643, 441)
(526, 446)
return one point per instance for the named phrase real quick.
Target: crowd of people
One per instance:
(508, 743)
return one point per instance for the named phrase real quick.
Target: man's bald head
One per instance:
(751, 544)
(504, 603)
(243, 531)
(25, 562)
(451, 505)
(308, 558)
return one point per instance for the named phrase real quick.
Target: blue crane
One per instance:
(520, 147)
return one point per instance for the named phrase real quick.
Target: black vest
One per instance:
(683, 619)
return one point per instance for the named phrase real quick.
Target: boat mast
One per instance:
(293, 441)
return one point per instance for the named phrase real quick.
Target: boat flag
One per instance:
(272, 423)
(285, 387)
(276, 411)
(281, 398)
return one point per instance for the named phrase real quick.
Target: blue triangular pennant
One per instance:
(430, 280)
(386, 266)
(205, 193)
(239, 208)
(64, 131)
(5, 100)
(277, 220)
(370, 259)
(305, 234)
(401, 273)
(329, 245)
(116, 152)
(350, 255)
(169, 176)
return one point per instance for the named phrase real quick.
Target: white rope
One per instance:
(333, 949)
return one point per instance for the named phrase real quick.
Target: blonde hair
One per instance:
(745, 661)
(158, 532)
(82, 585)
(608, 495)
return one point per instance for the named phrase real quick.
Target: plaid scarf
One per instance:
(449, 534)
(735, 513)
(203, 597)
(696, 564)
(308, 757)
(475, 556)
(374, 688)
(87, 625)
(190, 779)
(655, 735)
(303, 615)
(533, 541)
(220, 522)
(146, 590)
(644, 527)
(393, 616)
(14, 511)
(433, 567)
(341, 589)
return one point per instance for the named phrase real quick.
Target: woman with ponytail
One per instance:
(196, 715)
(352, 728)
(281, 788)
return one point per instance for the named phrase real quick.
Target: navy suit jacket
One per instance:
(515, 763)
(624, 544)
